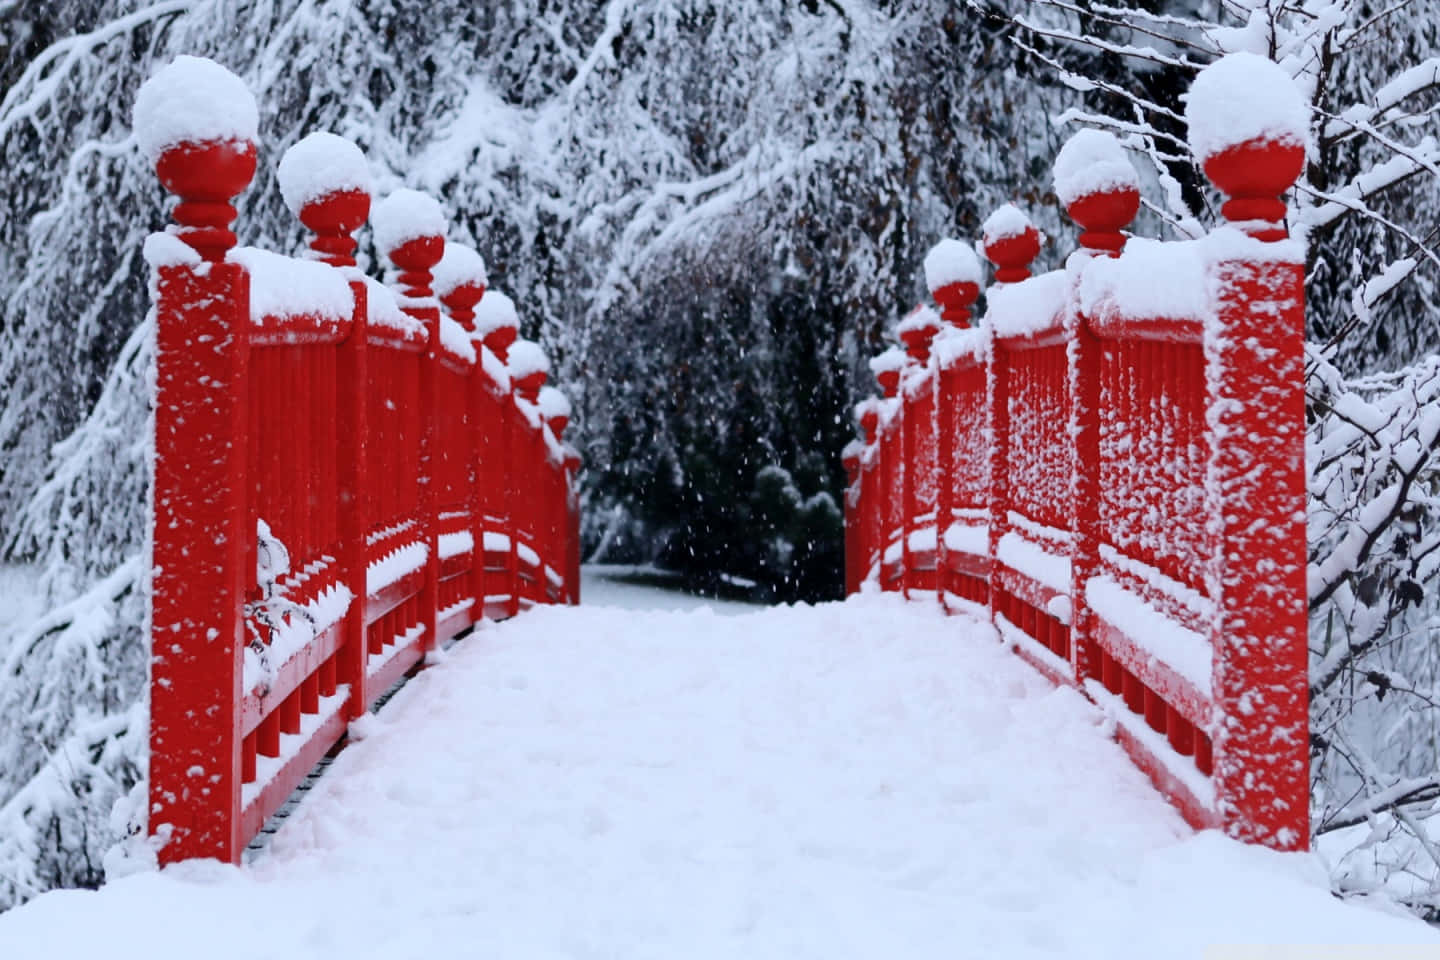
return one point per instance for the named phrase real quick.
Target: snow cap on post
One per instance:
(917, 330)
(325, 181)
(410, 229)
(953, 274)
(529, 368)
(496, 323)
(1249, 127)
(887, 367)
(555, 409)
(198, 124)
(460, 283)
(1098, 185)
(1010, 241)
(867, 412)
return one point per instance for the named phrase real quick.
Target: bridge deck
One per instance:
(864, 779)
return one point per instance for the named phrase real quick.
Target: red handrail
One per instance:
(336, 466)
(1122, 486)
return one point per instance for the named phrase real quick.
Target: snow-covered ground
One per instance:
(865, 779)
(638, 588)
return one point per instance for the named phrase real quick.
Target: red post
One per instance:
(1012, 258)
(1256, 482)
(460, 281)
(409, 227)
(333, 215)
(955, 298)
(887, 368)
(918, 443)
(1103, 215)
(203, 555)
(555, 408)
(499, 332)
(529, 369)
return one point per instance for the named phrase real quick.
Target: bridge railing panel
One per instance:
(332, 461)
(1140, 417)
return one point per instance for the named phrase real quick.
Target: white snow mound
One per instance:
(951, 261)
(527, 358)
(404, 216)
(1091, 162)
(1243, 97)
(193, 100)
(319, 165)
(495, 311)
(553, 403)
(459, 266)
(1007, 221)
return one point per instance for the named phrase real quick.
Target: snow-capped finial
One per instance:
(198, 124)
(529, 368)
(410, 229)
(953, 274)
(1249, 127)
(1010, 241)
(325, 181)
(1099, 187)
(916, 331)
(555, 408)
(460, 282)
(867, 412)
(887, 367)
(496, 323)
(193, 100)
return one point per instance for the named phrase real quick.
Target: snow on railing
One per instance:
(344, 476)
(1110, 468)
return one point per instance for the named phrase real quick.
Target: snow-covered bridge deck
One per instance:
(867, 779)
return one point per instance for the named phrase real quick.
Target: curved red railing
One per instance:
(344, 477)
(1121, 458)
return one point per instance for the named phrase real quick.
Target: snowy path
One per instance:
(862, 780)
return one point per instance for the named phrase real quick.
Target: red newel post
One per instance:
(333, 208)
(1011, 260)
(497, 330)
(529, 369)
(410, 230)
(1255, 480)
(460, 282)
(917, 442)
(953, 274)
(888, 368)
(555, 409)
(1103, 207)
(203, 558)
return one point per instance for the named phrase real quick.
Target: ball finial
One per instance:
(1096, 182)
(198, 124)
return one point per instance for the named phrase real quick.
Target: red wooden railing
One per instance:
(346, 476)
(1120, 457)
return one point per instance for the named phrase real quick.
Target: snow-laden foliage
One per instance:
(705, 211)
(1367, 206)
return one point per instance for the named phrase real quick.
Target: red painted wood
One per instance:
(201, 524)
(1166, 454)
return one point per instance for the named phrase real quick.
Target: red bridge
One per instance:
(350, 473)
